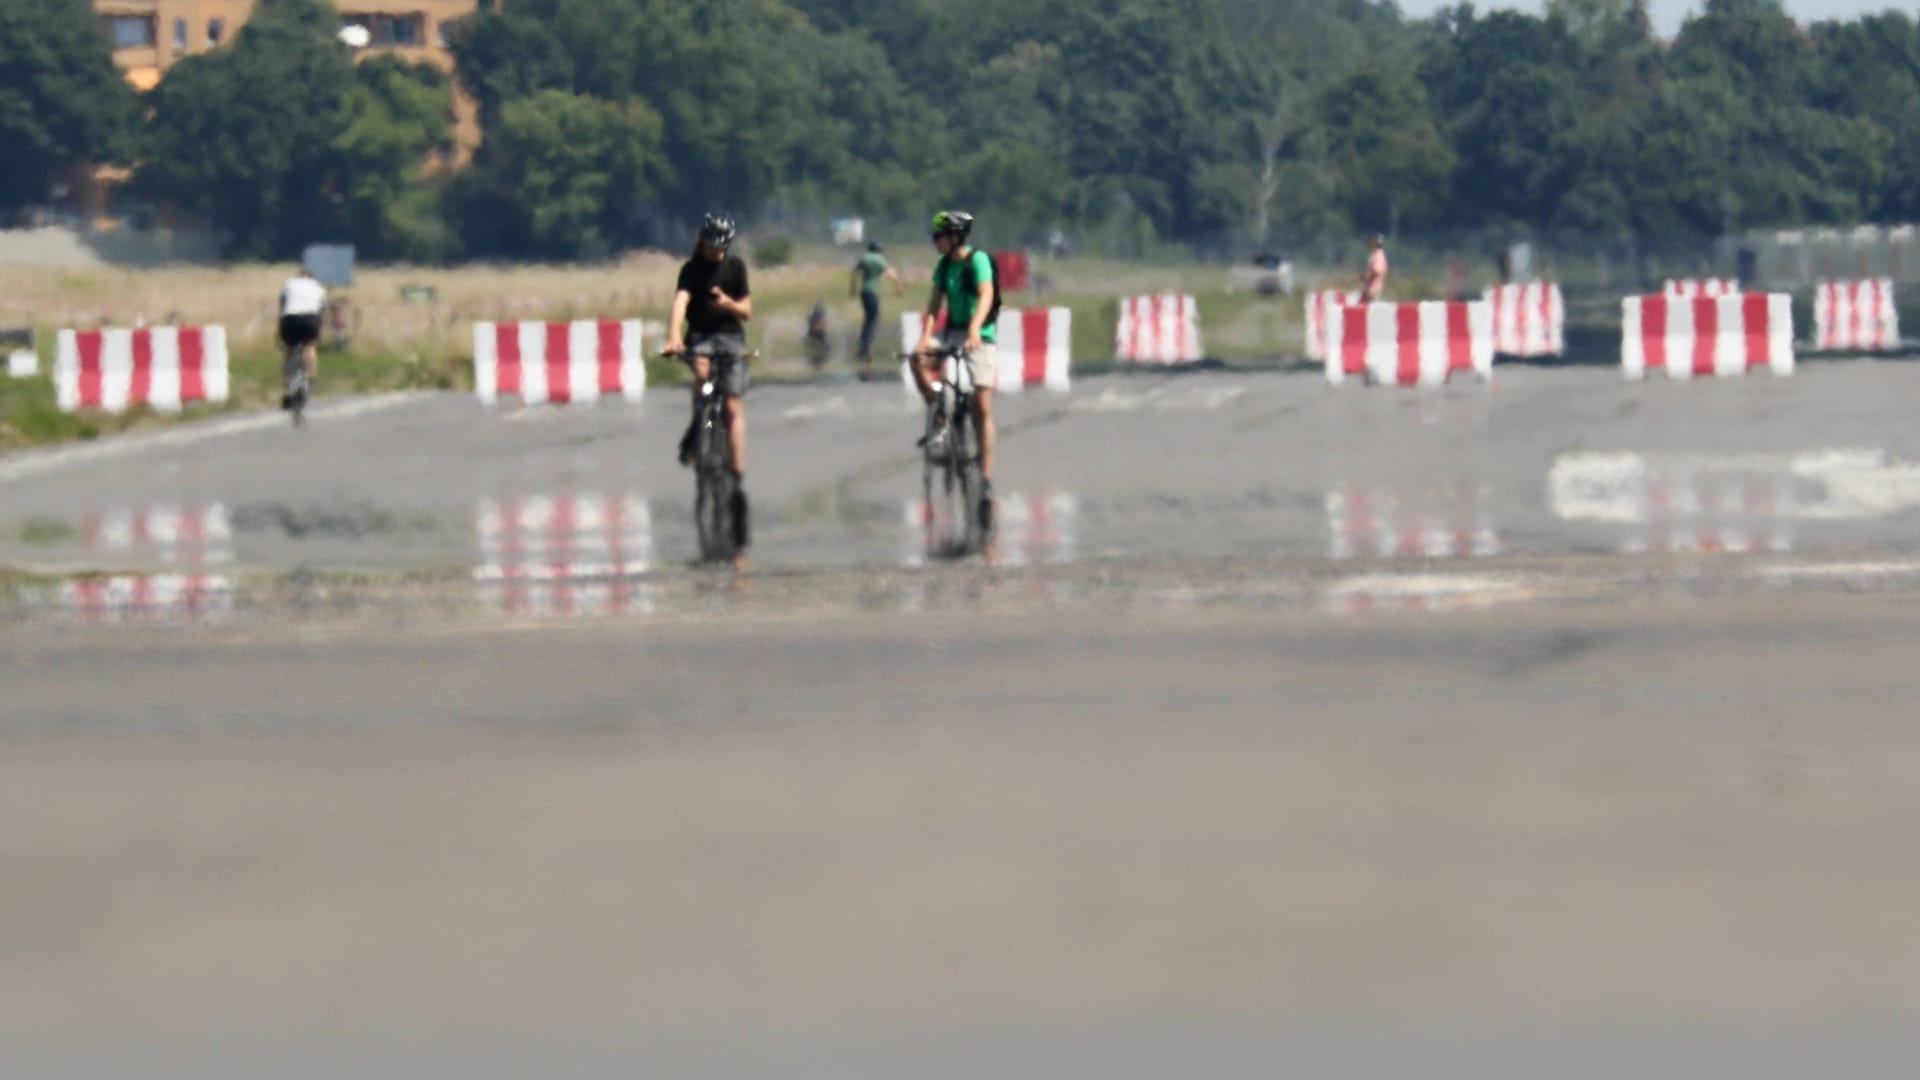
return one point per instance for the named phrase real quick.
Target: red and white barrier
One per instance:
(1528, 320)
(1701, 287)
(558, 362)
(1699, 337)
(1855, 316)
(1408, 344)
(1320, 303)
(1035, 347)
(1365, 524)
(1159, 329)
(161, 367)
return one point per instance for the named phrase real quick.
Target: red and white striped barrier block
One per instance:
(558, 362)
(1701, 287)
(161, 367)
(1700, 337)
(1528, 320)
(1158, 329)
(1409, 344)
(1035, 347)
(1365, 524)
(1319, 304)
(1855, 316)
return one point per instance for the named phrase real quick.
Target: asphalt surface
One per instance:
(1561, 727)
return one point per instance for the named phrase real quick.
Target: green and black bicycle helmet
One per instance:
(953, 223)
(718, 230)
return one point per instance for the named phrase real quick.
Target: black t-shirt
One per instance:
(698, 277)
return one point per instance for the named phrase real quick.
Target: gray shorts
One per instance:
(731, 377)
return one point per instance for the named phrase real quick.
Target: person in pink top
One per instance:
(1374, 281)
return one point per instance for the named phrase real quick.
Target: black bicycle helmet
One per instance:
(876, 247)
(953, 223)
(718, 230)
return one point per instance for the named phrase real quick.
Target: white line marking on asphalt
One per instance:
(33, 462)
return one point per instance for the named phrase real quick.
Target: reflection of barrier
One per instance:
(1701, 287)
(1321, 303)
(1160, 329)
(1374, 524)
(558, 362)
(1706, 505)
(565, 555)
(1699, 337)
(147, 598)
(1035, 347)
(161, 367)
(192, 541)
(1528, 320)
(1855, 315)
(1028, 529)
(1408, 344)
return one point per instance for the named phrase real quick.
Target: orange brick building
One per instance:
(149, 35)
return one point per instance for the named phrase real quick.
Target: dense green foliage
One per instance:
(62, 104)
(1217, 123)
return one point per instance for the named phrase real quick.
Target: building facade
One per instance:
(148, 36)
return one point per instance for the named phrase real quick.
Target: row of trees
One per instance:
(608, 123)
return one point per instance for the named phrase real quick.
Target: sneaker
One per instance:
(686, 446)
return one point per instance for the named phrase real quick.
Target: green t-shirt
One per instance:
(873, 267)
(951, 278)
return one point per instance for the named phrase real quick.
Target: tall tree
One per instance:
(62, 103)
(259, 173)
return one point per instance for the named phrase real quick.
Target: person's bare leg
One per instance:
(921, 378)
(310, 356)
(737, 434)
(983, 412)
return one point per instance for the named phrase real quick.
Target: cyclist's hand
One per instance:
(925, 348)
(674, 347)
(974, 344)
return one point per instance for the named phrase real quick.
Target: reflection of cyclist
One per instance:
(866, 284)
(302, 299)
(711, 303)
(963, 285)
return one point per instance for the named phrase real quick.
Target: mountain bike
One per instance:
(719, 502)
(955, 492)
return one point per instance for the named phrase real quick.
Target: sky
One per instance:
(1667, 14)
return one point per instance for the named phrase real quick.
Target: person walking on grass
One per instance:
(865, 284)
(1373, 280)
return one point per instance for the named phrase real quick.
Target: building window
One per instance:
(130, 31)
(180, 34)
(216, 29)
(404, 30)
(407, 29)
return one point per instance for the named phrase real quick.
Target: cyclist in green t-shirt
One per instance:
(963, 285)
(867, 274)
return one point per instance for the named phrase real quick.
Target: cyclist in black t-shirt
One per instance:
(711, 303)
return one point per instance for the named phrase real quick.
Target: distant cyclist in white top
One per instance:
(302, 299)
